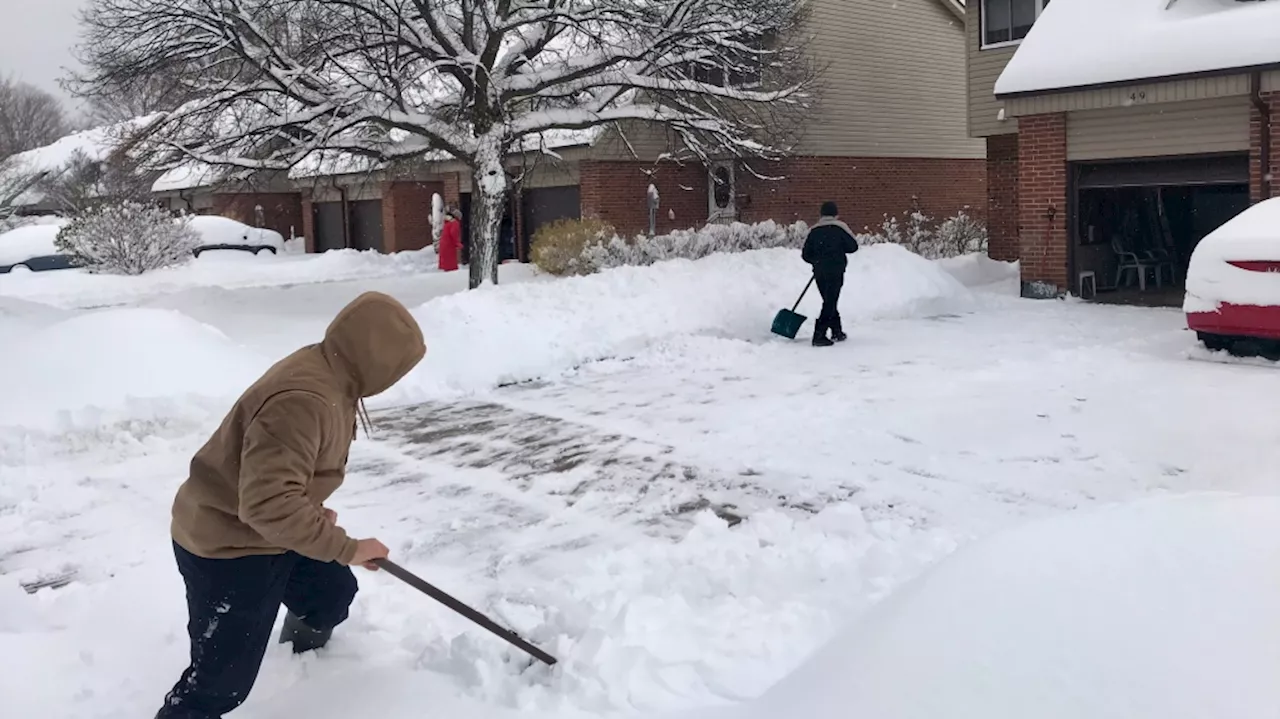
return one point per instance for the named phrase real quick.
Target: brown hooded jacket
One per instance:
(257, 485)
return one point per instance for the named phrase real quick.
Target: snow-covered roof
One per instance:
(96, 144)
(1080, 43)
(187, 176)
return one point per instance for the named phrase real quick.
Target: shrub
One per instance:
(691, 244)
(127, 238)
(558, 247)
(959, 235)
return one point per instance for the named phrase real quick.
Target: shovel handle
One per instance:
(802, 294)
(426, 588)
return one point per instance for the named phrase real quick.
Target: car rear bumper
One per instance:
(1238, 321)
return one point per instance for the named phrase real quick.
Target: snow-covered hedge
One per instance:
(127, 238)
(954, 237)
(583, 247)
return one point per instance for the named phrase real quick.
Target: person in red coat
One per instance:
(451, 242)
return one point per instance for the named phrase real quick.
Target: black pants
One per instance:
(829, 286)
(232, 605)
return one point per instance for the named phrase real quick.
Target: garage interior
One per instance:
(1138, 221)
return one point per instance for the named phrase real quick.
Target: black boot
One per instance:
(303, 637)
(821, 341)
(837, 330)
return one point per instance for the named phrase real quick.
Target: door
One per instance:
(366, 225)
(328, 226)
(545, 205)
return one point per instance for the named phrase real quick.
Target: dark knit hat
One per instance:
(829, 209)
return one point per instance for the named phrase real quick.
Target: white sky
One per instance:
(36, 38)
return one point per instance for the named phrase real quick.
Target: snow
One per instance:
(215, 230)
(1251, 235)
(27, 242)
(95, 144)
(1154, 610)
(1130, 40)
(187, 176)
(632, 472)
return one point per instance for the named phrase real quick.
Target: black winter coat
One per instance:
(828, 246)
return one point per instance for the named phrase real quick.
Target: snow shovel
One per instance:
(787, 322)
(421, 585)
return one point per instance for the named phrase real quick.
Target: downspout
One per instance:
(1264, 132)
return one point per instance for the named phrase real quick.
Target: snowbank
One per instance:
(228, 270)
(108, 365)
(979, 270)
(505, 334)
(27, 242)
(1157, 610)
(1252, 235)
(216, 230)
(1140, 39)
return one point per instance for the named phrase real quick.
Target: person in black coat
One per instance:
(827, 248)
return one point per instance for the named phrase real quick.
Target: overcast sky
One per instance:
(36, 37)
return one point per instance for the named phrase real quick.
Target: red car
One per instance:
(1233, 281)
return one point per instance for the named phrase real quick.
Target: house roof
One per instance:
(1076, 44)
(96, 144)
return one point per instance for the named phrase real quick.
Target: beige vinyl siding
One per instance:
(1271, 81)
(1188, 128)
(1203, 88)
(894, 81)
(984, 68)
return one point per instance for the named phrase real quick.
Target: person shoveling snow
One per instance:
(249, 527)
(827, 249)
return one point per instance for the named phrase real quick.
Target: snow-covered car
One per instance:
(222, 233)
(1233, 280)
(32, 248)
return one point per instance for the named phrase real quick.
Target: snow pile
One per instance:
(979, 270)
(26, 242)
(1253, 235)
(487, 337)
(1157, 610)
(215, 230)
(228, 270)
(113, 365)
(1140, 40)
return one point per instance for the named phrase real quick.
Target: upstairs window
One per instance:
(1008, 21)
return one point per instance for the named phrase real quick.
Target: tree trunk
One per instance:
(490, 190)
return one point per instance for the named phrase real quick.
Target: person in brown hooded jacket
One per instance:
(250, 530)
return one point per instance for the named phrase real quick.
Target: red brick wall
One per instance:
(282, 211)
(1002, 197)
(617, 193)
(1042, 200)
(309, 224)
(866, 189)
(406, 214)
(1255, 149)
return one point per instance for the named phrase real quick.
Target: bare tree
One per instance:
(278, 82)
(15, 180)
(84, 183)
(29, 118)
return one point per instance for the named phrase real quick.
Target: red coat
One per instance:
(450, 245)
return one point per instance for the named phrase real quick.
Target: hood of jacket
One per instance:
(373, 343)
(833, 222)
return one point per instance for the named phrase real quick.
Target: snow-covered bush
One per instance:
(690, 244)
(956, 236)
(127, 238)
(558, 246)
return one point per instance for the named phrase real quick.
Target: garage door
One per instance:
(328, 224)
(545, 205)
(366, 225)
(1205, 170)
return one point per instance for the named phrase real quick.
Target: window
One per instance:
(1008, 21)
(733, 68)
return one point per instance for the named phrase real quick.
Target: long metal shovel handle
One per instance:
(421, 585)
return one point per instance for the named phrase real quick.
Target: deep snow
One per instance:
(1251, 236)
(589, 504)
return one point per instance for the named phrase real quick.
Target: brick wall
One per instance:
(309, 223)
(406, 214)
(617, 192)
(1042, 203)
(865, 188)
(282, 211)
(1002, 197)
(1255, 149)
